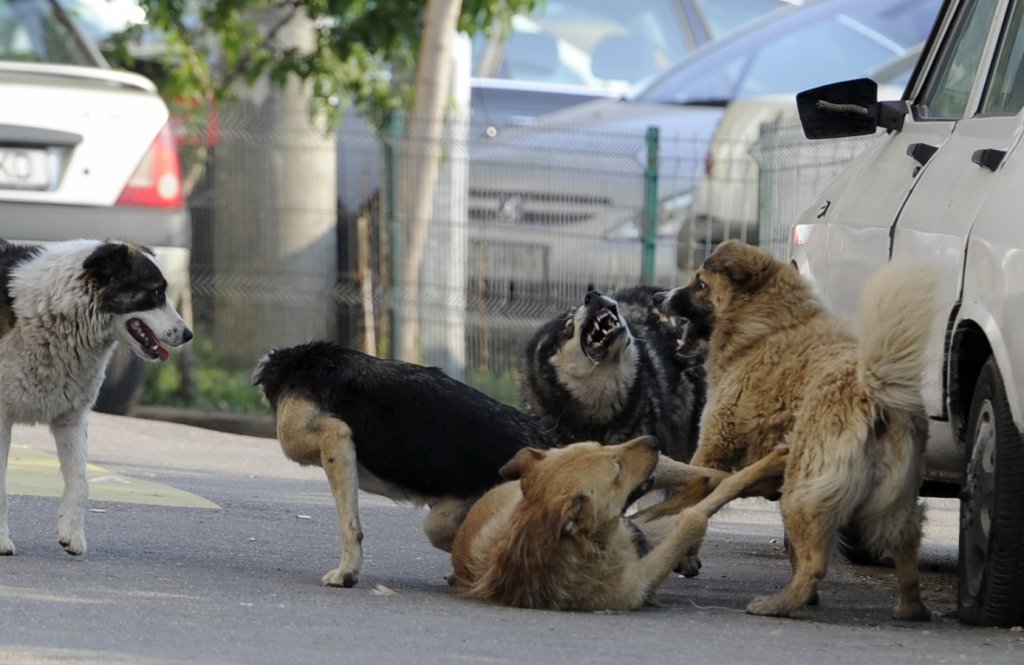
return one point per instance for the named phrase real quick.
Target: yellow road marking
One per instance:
(35, 473)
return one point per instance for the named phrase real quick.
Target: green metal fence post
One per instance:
(396, 224)
(650, 207)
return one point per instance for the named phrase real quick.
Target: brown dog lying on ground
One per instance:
(782, 370)
(556, 538)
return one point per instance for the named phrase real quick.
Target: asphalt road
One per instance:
(207, 548)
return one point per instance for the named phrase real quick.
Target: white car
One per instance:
(945, 183)
(726, 201)
(86, 152)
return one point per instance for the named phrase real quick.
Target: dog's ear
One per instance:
(518, 465)
(748, 268)
(569, 328)
(578, 516)
(107, 259)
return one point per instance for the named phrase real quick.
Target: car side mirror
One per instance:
(847, 108)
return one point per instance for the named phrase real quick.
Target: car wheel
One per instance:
(991, 568)
(122, 386)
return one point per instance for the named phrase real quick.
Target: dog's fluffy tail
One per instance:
(898, 309)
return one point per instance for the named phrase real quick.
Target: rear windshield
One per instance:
(34, 31)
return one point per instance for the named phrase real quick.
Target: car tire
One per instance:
(123, 384)
(991, 566)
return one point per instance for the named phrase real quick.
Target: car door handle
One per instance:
(990, 158)
(921, 152)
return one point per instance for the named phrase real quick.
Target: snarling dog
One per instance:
(554, 537)
(63, 307)
(783, 370)
(609, 370)
(400, 430)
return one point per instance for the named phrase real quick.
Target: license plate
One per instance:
(25, 168)
(508, 260)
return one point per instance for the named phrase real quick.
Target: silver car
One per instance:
(559, 202)
(86, 152)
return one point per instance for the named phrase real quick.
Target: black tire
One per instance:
(991, 568)
(122, 386)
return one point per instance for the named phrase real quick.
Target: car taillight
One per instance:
(157, 180)
(709, 162)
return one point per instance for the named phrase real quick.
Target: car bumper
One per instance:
(168, 227)
(166, 231)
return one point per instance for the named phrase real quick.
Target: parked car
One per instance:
(579, 173)
(943, 184)
(726, 202)
(579, 50)
(567, 53)
(86, 152)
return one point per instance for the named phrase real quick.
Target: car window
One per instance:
(832, 51)
(723, 17)
(840, 51)
(602, 43)
(1005, 93)
(948, 89)
(30, 32)
(827, 47)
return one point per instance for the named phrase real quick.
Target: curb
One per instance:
(231, 423)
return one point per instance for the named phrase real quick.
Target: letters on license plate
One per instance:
(24, 168)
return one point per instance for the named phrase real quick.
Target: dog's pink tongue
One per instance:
(164, 355)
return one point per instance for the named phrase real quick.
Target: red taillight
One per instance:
(709, 163)
(157, 180)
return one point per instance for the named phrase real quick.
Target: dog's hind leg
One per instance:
(810, 541)
(338, 458)
(898, 531)
(685, 540)
(71, 436)
(6, 544)
(904, 554)
(443, 520)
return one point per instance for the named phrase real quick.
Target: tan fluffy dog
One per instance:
(556, 538)
(783, 370)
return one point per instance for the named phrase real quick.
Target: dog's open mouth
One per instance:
(639, 491)
(686, 337)
(147, 340)
(599, 332)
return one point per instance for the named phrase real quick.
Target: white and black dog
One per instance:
(611, 370)
(62, 309)
(400, 430)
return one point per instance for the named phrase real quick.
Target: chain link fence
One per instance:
(299, 235)
(791, 171)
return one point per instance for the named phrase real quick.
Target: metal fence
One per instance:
(792, 171)
(298, 234)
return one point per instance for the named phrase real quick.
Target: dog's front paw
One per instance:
(73, 544)
(339, 577)
(6, 546)
(689, 566)
(770, 606)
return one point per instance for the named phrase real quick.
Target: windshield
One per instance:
(608, 44)
(33, 31)
(808, 49)
(595, 43)
(723, 17)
